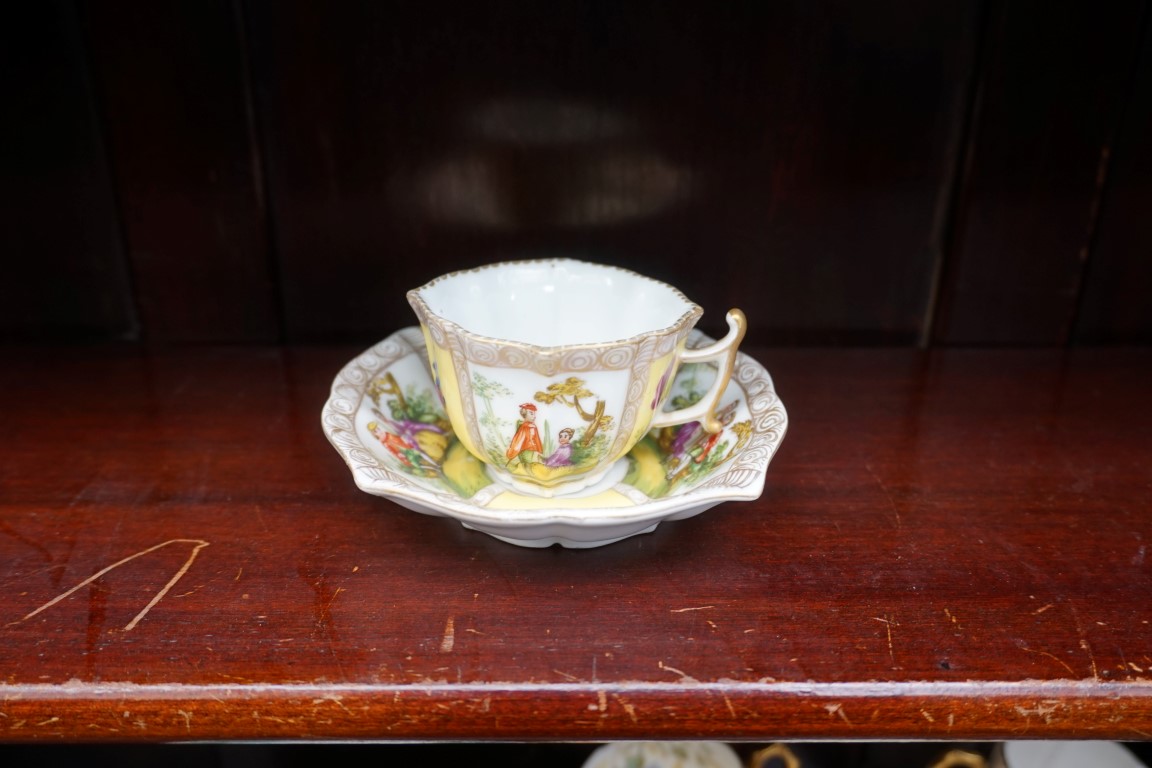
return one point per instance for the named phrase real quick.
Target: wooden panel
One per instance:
(62, 272)
(1056, 77)
(1115, 304)
(786, 157)
(950, 545)
(172, 76)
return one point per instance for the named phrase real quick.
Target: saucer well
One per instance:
(385, 419)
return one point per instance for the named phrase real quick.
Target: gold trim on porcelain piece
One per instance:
(767, 412)
(680, 327)
(739, 324)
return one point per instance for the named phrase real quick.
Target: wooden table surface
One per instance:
(951, 545)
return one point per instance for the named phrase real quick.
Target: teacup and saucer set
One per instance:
(556, 401)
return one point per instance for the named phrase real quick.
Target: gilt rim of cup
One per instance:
(685, 322)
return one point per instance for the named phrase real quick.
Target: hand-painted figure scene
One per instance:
(408, 423)
(562, 430)
(674, 458)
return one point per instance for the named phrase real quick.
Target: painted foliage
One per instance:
(410, 425)
(680, 456)
(563, 429)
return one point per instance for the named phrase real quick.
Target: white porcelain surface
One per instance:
(551, 370)
(385, 419)
(664, 754)
(556, 302)
(1063, 754)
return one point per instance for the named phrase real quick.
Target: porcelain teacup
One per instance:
(551, 370)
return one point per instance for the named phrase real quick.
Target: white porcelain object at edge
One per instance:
(663, 754)
(551, 370)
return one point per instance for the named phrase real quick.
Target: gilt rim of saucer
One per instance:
(394, 484)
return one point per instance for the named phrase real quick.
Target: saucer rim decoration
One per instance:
(559, 520)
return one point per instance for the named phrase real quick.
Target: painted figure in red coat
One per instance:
(525, 446)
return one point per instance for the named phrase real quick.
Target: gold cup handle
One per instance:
(724, 350)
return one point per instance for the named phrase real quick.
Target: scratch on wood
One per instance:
(1044, 710)
(1091, 657)
(187, 719)
(449, 640)
(1057, 659)
(332, 599)
(198, 545)
(887, 495)
(731, 709)
(628, 708)
(685, 610)
(49, 721)
(888, 626)
(334, 700)
(927, 716)
(602, 699)
(837, 709)
(1084, 645)
(245, 680)
(1042, 608)
(683, 675)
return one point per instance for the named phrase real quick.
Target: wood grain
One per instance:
(246, 171)
(62, 269)
(175, 102)
(786, 158)
(1114, 307)
(1053, 86)
(952, 545)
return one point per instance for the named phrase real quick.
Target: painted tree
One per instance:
(387, 385)
(569, 393)
(410, 404)
(486, 390)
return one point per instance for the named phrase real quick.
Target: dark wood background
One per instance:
(255, 171)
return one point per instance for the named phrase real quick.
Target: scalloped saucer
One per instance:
(385, 418)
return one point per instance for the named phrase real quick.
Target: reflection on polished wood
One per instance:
(951, 545)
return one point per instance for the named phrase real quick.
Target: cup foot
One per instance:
(588, 484)
(563, 541)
